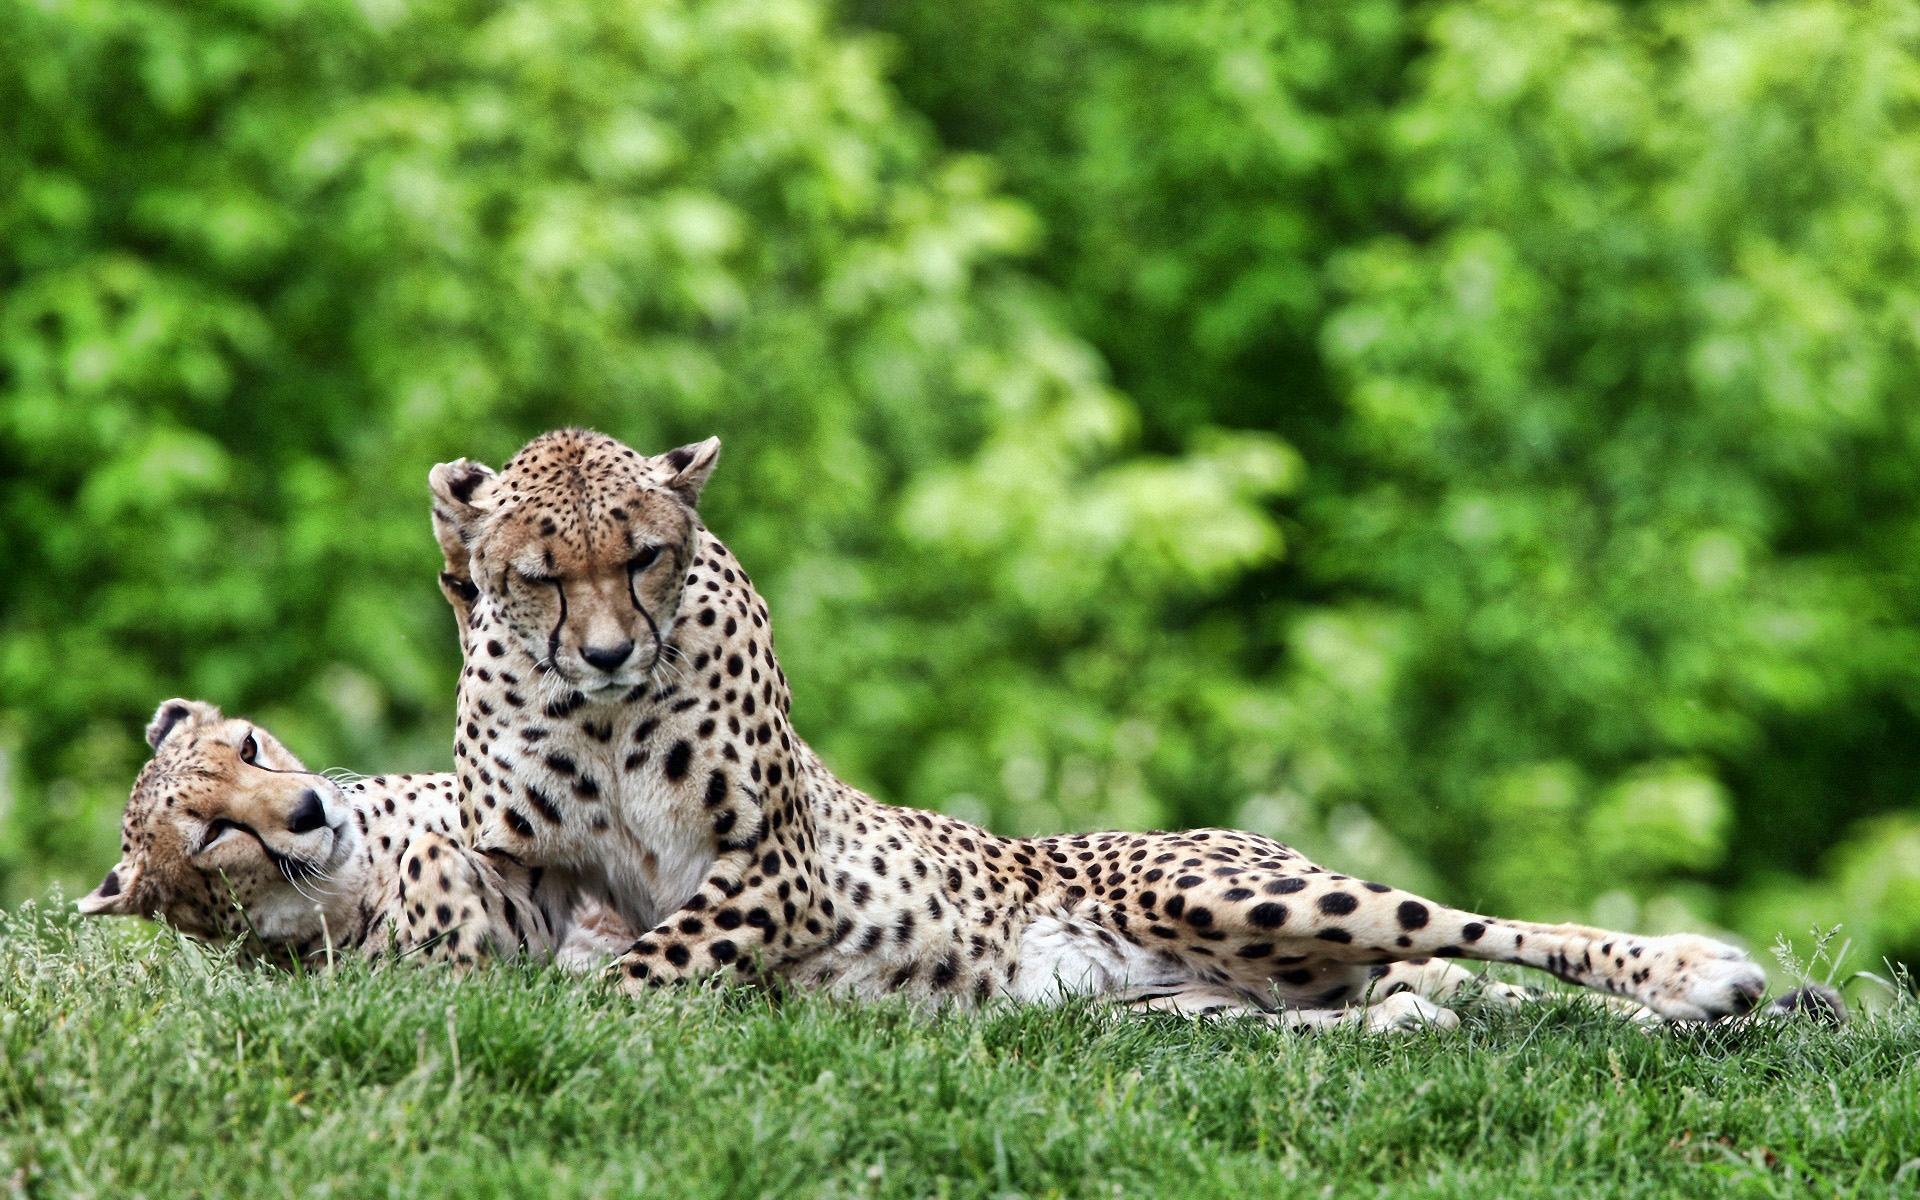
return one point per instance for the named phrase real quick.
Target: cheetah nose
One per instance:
(609, 658)
(308, 815)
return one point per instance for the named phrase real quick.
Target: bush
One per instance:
(1594, 324)
(263, 264)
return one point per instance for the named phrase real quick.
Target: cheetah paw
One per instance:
(1699, 979)
(1406, 1013)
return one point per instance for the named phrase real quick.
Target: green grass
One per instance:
(137, 1065)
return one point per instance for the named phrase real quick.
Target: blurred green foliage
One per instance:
(1473, 441)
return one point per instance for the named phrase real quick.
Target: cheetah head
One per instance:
(579, 547)
(226, 833)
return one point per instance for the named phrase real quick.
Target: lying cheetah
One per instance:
(624, 722)
(229, 838)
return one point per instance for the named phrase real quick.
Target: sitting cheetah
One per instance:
(623, 721)
(228, 837)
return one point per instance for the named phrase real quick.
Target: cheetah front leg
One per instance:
(750, 915)
(450, 905)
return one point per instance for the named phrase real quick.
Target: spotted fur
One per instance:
(228, 837)
(624, 722)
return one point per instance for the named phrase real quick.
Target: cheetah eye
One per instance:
(215, 831)
(644, 559)
(249, 750)
(535, 580)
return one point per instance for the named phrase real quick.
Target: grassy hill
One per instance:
(135, 1064)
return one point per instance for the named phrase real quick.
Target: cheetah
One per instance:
(623, 721)
(227, 837)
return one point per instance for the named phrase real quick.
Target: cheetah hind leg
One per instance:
(1444, 982)
(1404, 1011)
(1294, 925)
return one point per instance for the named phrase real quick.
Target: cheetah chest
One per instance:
(608, 794)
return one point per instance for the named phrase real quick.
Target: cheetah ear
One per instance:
(177, 713)
(462, 494)
(114, 896)
(692, 465)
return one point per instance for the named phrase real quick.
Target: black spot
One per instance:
(716, 788)
(1284, 887)
(1187, 881)
(1338, 904)
(944, 972)
(1176, 905)
(1334, 935)
(1473, 931)
(413, 871)
(1412, 914)
(1268, 915)
(518, 821)
(1256, 950)
(542, 804)
(678, 956)
(727, 918)
(1376, 887)
(723, 951)
(1199, 917)
(561, 764)
(1298, 977)
(110, 886)
(678, 760)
